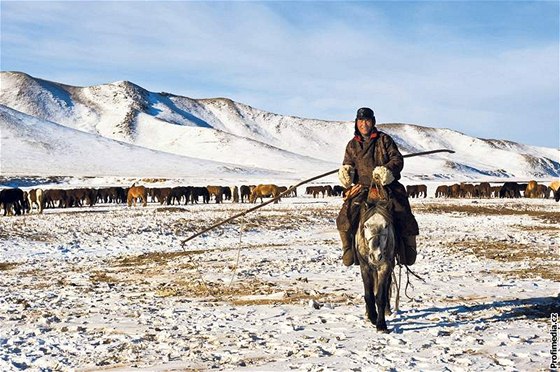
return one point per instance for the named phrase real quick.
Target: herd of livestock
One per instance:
(532, 189)
(17, 201)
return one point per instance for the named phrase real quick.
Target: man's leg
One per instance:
(344, 227)
(347, 247)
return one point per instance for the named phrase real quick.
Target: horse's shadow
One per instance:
(529, 308)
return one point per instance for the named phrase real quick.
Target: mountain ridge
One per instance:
(223, 130)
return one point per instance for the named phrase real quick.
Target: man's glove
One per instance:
(383, 175)
(346, 175)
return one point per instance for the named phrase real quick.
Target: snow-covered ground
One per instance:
(110, 288)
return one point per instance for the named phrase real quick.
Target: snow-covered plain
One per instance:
(110, 288)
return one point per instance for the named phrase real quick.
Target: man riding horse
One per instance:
(370, 154)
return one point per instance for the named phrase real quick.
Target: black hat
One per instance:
(365, 113)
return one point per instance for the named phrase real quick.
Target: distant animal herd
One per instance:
(17, 201)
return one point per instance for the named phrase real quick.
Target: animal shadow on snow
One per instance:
(499, 311)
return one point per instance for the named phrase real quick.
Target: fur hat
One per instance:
(365, 113)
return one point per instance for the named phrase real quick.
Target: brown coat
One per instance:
(364, 156)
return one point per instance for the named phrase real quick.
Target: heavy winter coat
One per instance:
(364, 156)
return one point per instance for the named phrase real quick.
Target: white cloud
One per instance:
(341, 57)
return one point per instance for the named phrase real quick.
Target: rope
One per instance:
(408, 271)
(397, 287)
(209, 290)
(197, 267)
(241, 228)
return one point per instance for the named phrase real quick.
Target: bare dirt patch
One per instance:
(7, 265)
(549, 217)
(542, 262)
(542, 270)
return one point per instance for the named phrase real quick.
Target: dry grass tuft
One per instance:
(171, 209)
(542, 263)
(543, 270)
(151, 258)
(546, 216)
(8, 265)
(102, 277)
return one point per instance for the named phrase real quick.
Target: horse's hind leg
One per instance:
(369, 297)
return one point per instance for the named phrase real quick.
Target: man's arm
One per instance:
(395, 163)
(349, 157)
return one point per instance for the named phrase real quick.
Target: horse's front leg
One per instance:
(382, 297)
(369, 296)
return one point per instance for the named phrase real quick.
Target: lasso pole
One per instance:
(290, 190)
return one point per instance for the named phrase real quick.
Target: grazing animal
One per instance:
(442, 191)
(483, 190)
(543, 191)
(178, 193)
(316, 190)
(338, 190)
(283, 189)
(455, 190)
(235, 193)
(376, 245)
(226, 193)
(217, 191)
(467, 190)
(245, 192)
(531, 191)
(117, 195)
(263, 191)
(510, 190)
(200, 191)
(422, 191)
(50, 197)
(35, 197)
(294, 191)
(12, 199)
(160, 195)
(417, 191)
(412, 191)
(554, 187)
(495, 191)
(135, 192)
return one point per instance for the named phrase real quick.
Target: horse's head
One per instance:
(375, 234)
(378, 236)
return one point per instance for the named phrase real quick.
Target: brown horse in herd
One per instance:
(264, 191)
(137, 192)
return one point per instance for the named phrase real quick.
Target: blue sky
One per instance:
(488, 69)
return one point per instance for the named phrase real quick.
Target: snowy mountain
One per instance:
(37, 147)
(207, 131)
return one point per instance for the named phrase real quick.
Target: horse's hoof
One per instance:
(373, 320)
(383, 330)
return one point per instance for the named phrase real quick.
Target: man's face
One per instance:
(364, 126)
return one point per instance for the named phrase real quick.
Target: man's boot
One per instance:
(409, 249)
(347, 251)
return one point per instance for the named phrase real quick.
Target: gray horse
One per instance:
(376, 244)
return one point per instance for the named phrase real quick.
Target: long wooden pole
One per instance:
(290, 190)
